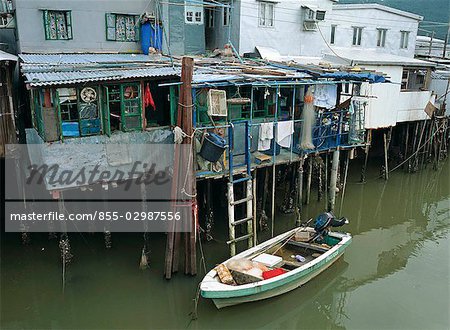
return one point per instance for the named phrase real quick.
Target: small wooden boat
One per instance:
(315, 259)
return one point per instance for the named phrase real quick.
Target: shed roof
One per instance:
(378, 7)
(373, 57)
(4, 56)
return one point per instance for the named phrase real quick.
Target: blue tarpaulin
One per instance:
(372, 78)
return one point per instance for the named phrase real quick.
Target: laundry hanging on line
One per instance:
(148, 98)
(265, 136)
(325, 96)
(284, 133)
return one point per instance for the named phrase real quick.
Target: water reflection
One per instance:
(395, 274)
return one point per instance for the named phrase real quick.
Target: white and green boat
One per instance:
(315, 259)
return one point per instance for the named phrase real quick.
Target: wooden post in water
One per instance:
(333, 180)
(387, 141)
(366, 159)
(308, 180)
(184, 120)
(406, 147)
(298, 202)
(254, 199)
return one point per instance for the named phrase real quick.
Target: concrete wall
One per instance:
(88, 25)
(219, 33)
(370, 20)
(287, 35)
(182, 38)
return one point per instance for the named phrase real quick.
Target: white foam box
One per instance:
(302, 236)
(268, 259)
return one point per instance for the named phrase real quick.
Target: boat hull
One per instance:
(226, 302)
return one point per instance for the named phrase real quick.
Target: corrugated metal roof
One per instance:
(71, 77)
(56, 59)
(4, 56)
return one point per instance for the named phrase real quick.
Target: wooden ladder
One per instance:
(244, 178)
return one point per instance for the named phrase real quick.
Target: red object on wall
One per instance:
(148, 98)
(272, 273)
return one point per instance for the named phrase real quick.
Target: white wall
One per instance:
(287, 35)
(411, 106)
(391, 105)
(371, 19)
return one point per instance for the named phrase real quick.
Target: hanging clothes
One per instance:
(325, 96)
(284, 133)
(265, 136)
(148, 98)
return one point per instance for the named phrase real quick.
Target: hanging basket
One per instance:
(213, 147)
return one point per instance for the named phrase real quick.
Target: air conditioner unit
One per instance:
(217, 103)
(310, 25)
(320, 15)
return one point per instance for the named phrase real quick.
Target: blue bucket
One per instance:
(213, 147)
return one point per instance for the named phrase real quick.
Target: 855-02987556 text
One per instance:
(98, 215)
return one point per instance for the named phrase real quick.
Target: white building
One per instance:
(371, 26)
(292, 27)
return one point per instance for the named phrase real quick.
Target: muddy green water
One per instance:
(394, 275)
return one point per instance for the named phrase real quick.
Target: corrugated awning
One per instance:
(49, 78)
(4, 56)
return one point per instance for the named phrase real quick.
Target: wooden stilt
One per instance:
(419, 146)
(366, 159)
(414, 146)
(386, 150)
(308, 180)
(344, 185)
(274, 173)
(254, 194)
(319, 179)
(298, 219)
(333, 180)
(406, 147)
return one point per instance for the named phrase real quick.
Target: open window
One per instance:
(123, 109)
(414, 79)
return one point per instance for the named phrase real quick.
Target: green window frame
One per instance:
(122, 27)
(58, 24)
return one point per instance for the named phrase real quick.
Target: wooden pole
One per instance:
(366, 159)
(333, 180)
(347, 161)
(308, 180)
(299, 200)
(319, 179)
(273, 195)
(254, 192)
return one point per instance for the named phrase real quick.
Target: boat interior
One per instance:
(282, 257)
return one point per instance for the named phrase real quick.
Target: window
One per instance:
(266, 14)
(226, 11)
(210, 17)
(79, 111)
(404, 38)
(333, 34)
(120, 27)
(57, 25)
(193, 13)
(381, 39)
(414, 79)
(123, 108)
(357, 34)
